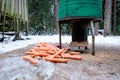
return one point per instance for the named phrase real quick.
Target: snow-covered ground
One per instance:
(103, 66)
(11, 45)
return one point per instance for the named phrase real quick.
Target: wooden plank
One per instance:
(79, 44)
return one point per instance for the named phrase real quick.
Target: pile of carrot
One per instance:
(51, 53)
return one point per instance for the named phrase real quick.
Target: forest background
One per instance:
(42, 18)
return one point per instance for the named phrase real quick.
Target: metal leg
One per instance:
(93, 38)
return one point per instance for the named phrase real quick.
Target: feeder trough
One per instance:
(80, 14)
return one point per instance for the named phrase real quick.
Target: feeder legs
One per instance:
(93, 38)
(60, 45)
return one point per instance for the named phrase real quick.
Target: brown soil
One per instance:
(105, 65)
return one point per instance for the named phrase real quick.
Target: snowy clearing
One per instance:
(103, 66)
(12, 45)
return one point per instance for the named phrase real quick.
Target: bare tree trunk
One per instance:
(107, 17)
(4, 19)
(114, 19)
(27, 24)
(96, 28)
(56, 17)
(16, 28)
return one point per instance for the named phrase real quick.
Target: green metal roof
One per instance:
(80, 8)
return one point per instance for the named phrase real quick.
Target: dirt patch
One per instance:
(105, 65)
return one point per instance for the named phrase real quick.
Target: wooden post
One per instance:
(27, 24)
(4, 18)
(93, 38)
(60, 44)
(15, 28)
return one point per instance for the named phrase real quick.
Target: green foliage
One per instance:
(41, 16)
(66, 29)
(118, 29)
(15, 13)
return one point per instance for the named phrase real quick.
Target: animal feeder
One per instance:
(80, 14)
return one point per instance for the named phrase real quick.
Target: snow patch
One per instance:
(17, 68)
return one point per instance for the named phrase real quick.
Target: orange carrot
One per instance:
(31, 56)
(68, 56)
(32, 50)
(40, 45)
(59, 52)
(64, 51)
(30, 59)
(38, 57)
(41, 54)
(51, 47)
(54, 48)
(38, 53)
(51, 52)
(74, 53)
(57, 56)
(29, 53)
(43, 44)
(44, 48)
(57, 60)
(37, 49)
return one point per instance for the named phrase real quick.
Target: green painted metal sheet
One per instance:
(80, 8)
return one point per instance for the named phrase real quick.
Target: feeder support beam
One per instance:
(60, 44)
(93, 38)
